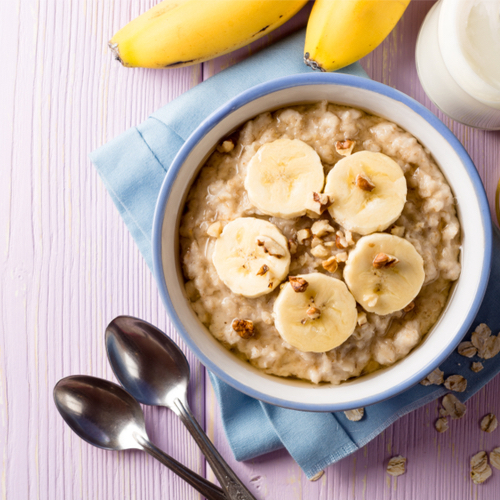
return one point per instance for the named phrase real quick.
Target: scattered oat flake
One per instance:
(489, 423)
(436, 377)
(480, 471)
(476, 366)
(456, 383)
(317, 476)
(495, 458)
(355, 415)
(441, 424)
(480, 337)
(453, 406)
(396, 466)
(467, 349)
(491, 347)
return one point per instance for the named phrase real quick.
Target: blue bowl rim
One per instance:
(273, 86)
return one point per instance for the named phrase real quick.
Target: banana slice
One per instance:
(384, 273)
(282, 176)
(368, 192)
(315, 313)
(251, 256)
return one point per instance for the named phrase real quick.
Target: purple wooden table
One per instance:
(69, 266)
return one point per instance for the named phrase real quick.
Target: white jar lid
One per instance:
(469, 39)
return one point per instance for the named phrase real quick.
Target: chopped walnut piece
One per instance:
(456, 383)
(409, 307)
(341, 257)
(398, 231)
(454, 408)
(330, 264)
(263, 270)
(396, 466)
(467, 349)
(215, 229)
(382, 260)
(476, 366)
(317, 476)
(320, 252)
(313, 313)
(362, 319)
(316, 241)
(243, 327)
(225, 147)
(364, 183)
(321, 228)
(272, 247)
(344, 148)
(480, 471)
(489, 423)
(349, 238)
(355, 415)
(436, 377)
(495, 458)
(318, 202)
(303, 235)
(292, 246)
(441, 424)
(340, 240)
(299, 285)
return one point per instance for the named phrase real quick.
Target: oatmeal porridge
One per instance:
(319, 242)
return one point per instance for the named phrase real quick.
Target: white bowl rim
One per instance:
(305, 80)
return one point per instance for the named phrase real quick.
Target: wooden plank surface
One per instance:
(69, 266)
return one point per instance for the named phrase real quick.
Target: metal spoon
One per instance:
(106, 416)
(156, 372)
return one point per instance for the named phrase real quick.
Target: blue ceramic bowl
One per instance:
(473, 211)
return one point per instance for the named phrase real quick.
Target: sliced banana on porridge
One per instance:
(315, 313)
(384, 273)
(251, 256)
(281, 177)
(367, 191)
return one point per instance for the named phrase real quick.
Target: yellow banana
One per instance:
(339, 32)
(178, 33)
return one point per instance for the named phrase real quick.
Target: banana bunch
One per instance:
(178, 33)
(340, 32)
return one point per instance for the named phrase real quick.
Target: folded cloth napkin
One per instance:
(133, 167)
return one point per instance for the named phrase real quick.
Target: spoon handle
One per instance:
(231, 484)
(209, 490)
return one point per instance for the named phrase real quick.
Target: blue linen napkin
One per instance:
(133, 166)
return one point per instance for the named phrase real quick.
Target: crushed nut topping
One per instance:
(398, 231)
(456, 383)
(341, 257)
(320, 251)
(364, 183)
(303, 235)
(441, 424)
(313, 312)
(318, 203)
(271, 247)
(340, 240)
(316, 241)
(453, 407)
(355, 415)
(243, 327)
(467, 349)
(349, 238)
(476, 366)
(215, 229)
(362, 319)
(225, 147)
(292, 246)
(330, 264)
(480, 471)
(409, 307)
(396, 466)
(495, 458)
(436, 377)
(299, 285)
(263, 270)
(344, 148)
(382, 260)
(489, 423)
(321, 228)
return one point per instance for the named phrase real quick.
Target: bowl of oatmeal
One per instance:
(322, 242)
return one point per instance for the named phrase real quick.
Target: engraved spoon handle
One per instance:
(209, 490)
(231, 484)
